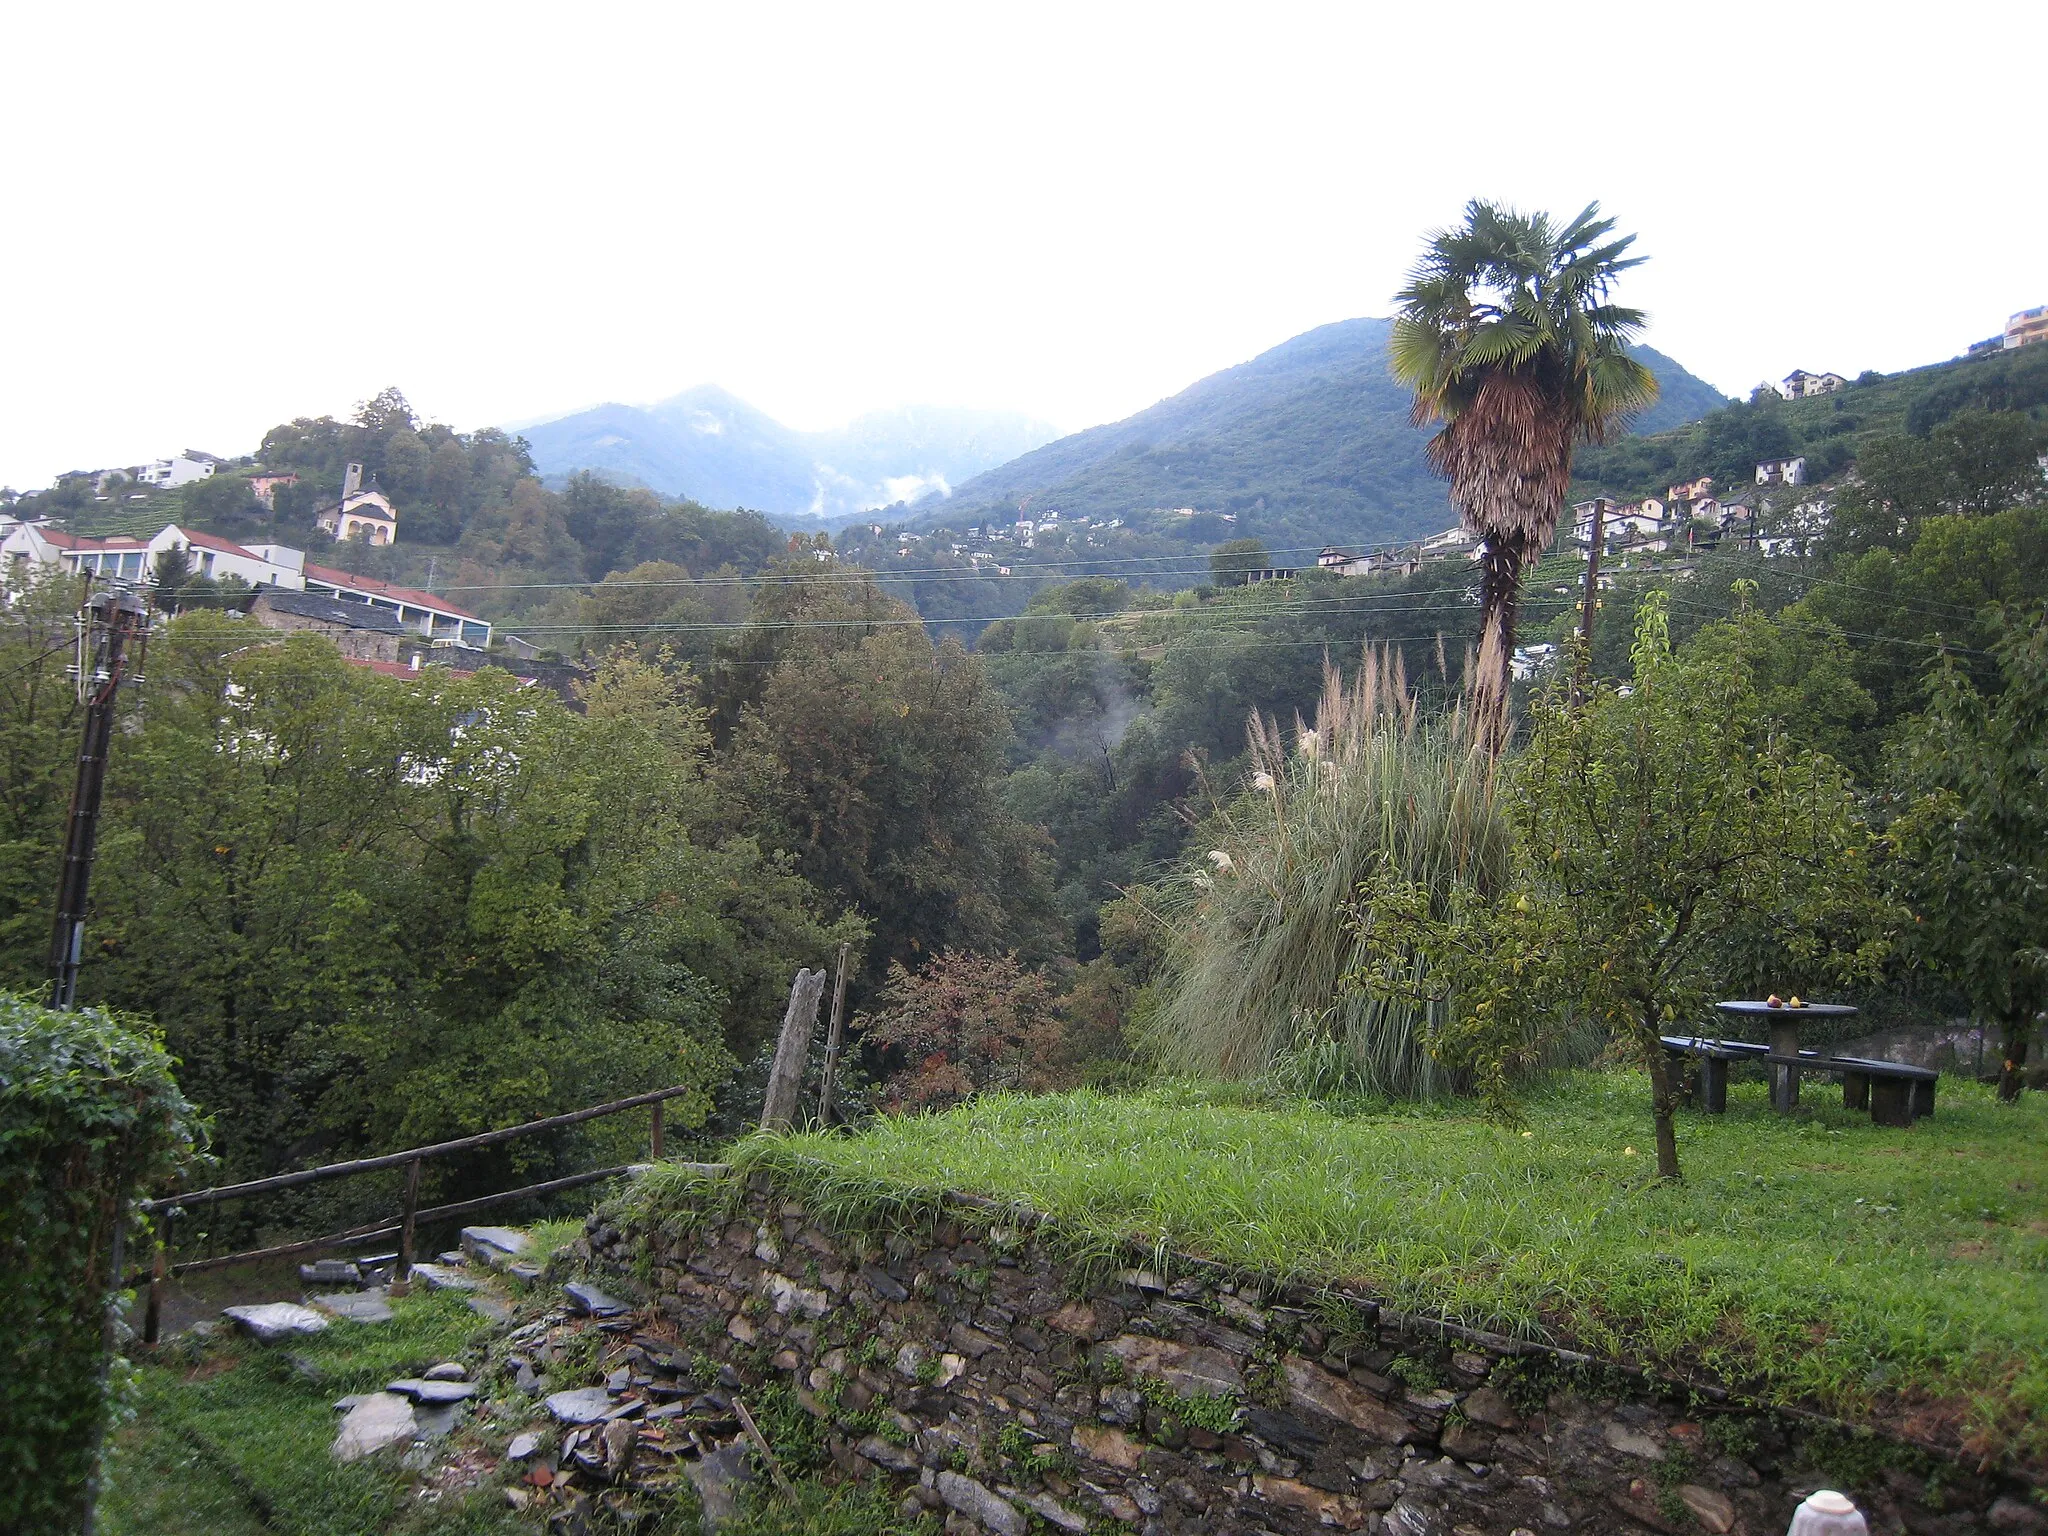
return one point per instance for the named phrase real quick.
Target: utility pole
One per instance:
(835, 1035)
(115, 618)
(1592, 599)
(1591, 603)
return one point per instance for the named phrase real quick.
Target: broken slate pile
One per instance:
(1003, 1392)
(627, 1442)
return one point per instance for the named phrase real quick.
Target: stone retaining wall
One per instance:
(1002, 1387)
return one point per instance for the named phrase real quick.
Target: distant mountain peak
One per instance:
(708, 444)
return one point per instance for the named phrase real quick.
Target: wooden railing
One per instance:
(168, 1208)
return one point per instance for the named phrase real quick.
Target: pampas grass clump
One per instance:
(1262, 926)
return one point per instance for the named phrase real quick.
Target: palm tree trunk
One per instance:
(1500, 591)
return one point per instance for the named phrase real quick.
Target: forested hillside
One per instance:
(1829, 430)
(1308, 443)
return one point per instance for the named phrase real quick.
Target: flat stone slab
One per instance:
(588, 1299)
(331, 1272)
(523, 1446)
(447, 1370)
(275, 1319)
(440, 1277)
(356, 1306)
(585, 1405)
(437, 1421)
(489, 1307)
(494, 1244)
(718, 1478)
(432, 1392)
(375, 1421)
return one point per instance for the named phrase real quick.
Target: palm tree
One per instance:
(1507, 337)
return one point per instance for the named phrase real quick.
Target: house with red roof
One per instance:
(120, 558)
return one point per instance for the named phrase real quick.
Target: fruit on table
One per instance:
(1774, 1001)
(1795, 1003)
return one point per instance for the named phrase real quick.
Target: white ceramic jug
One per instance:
(1827, 1513)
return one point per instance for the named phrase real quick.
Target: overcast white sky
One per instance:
(219, 217)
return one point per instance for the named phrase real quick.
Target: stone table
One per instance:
(1784, 1021)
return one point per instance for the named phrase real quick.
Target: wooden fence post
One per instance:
(786, 1077)
(654, 1132)
(401, 1277)
(834, 1033)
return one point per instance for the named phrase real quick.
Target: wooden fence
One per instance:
(169, 1208)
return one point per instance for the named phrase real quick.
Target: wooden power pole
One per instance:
(1592, 600)
(116, 618)
(835, 1035)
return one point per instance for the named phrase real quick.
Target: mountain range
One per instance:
(714, 448)
(1310, 440)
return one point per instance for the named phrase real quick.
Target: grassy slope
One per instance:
(1818, 1260)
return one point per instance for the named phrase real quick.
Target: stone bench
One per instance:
(1713, 1056)
(1894, 1093)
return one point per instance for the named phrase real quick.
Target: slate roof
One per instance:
(332, 610)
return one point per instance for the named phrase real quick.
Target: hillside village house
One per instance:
(263, 566)
(1801, 385)
(1452, 541)
(359, 632)
(1781, 472)
(165, 474)
(363, 510)
(264, 487)
(1690, 490)
(2026, 327)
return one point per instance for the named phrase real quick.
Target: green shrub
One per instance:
(89, 1115)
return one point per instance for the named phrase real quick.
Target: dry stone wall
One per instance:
(1012, 1391)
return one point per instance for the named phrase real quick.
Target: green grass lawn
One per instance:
(235, 1439)
(1820, 1259)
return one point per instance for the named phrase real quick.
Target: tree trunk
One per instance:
(2012, 1075)
(1663, 1108)
(1500, 592)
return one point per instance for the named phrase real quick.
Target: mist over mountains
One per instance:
(714, 448)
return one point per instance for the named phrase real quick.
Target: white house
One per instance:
(434, 617)
(1452, 541)
(1781, 472)
(263, 565)
(1633, 524)
(1371, 563)
(272, 566)
(188, 466)
(1801, 385)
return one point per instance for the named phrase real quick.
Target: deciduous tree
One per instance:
(966, 1024)
(1975, 837)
